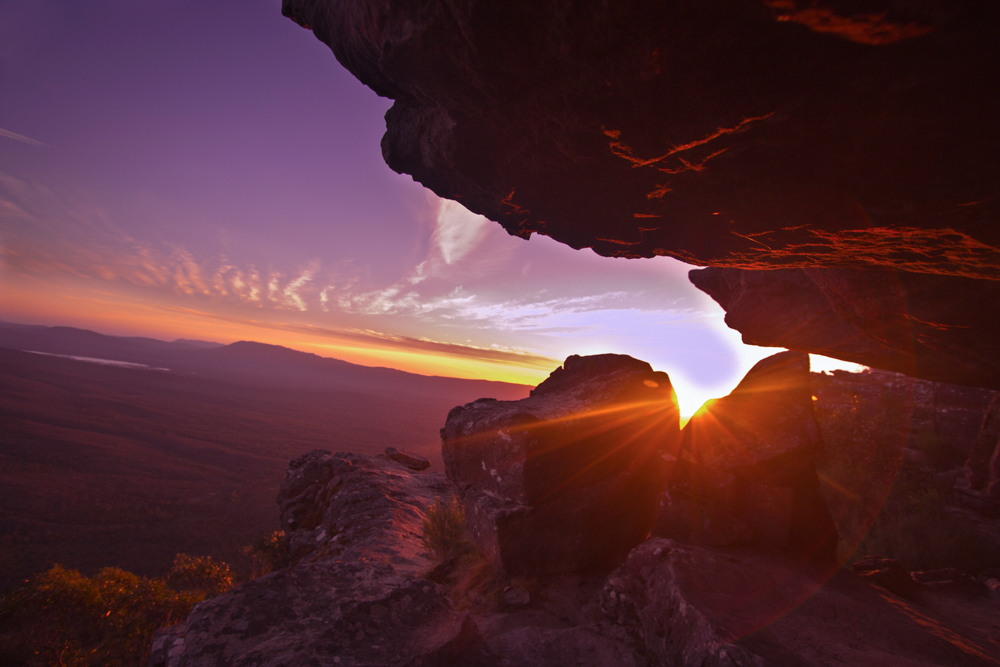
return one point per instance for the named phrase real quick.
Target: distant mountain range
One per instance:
(115, 464)
(248, 362)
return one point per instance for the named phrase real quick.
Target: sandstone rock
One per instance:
(993, 588)
(578, 646)
(359, 599)
(354, 594)
(168, 646)
(747, 470)
(563, 480)
(516, 597)
(944, 416)
(950, 578)
(411, 461)
(695, 606)
(733, 134)
(762, 135)
(932, 327)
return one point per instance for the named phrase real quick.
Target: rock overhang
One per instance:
(748, 134)
(847, 138)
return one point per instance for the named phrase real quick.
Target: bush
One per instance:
(444, 529)
(60, 617)
(201, 574)
(266, 554)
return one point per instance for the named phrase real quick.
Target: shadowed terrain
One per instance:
(111, 466)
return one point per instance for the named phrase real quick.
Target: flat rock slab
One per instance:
(701, 607)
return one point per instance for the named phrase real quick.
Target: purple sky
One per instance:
(208, 170)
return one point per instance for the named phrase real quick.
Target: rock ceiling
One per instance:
(851, 143)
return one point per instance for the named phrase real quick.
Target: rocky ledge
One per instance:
(834, 163)
(363, 589)
(752, 134)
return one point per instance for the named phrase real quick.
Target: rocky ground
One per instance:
(753, 585)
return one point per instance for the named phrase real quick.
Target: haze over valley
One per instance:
(108, 465)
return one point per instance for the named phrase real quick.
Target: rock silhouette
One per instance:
(745, 470)
(856, 140)
(573, 462)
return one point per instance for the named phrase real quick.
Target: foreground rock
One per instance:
(358, 593)
(354, 594)
(894, 448)
(746, 471)
(938, 328)
(693, 607)
(564, 480)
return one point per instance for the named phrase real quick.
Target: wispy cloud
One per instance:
(473, 287)
(292, 289)
(47, 233)
(20, 137)
(458, 231)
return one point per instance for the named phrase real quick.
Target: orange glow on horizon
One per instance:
(123, 315)
(118, 310)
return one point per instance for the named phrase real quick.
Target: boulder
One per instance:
(691, 606)
(564, 480)
(934, 327)
(746, 470)
(408, 459)
(359, 598)
(751, 134)
(779, 134)
(355, 592)
(938, 419)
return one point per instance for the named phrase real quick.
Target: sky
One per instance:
(207, 170)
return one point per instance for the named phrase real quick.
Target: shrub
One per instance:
(61, 617)
(266, 554)
(444, 529)
(201, 574)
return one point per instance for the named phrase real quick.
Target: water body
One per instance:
(103, 362)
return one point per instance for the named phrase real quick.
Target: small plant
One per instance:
(444, 529)
(266, 554)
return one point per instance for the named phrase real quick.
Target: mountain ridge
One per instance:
(248, 362)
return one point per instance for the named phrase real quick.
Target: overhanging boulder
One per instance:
(749, 134)
(564, 480)
(746, 469)
(939, 328)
